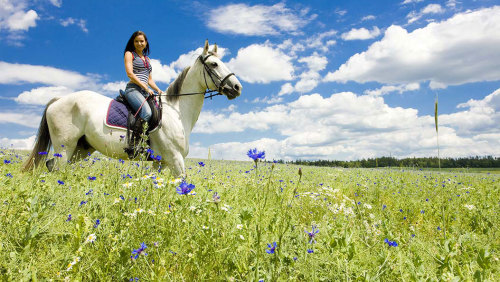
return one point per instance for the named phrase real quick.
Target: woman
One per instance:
(138, 69)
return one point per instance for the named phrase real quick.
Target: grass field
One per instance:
(103, 219)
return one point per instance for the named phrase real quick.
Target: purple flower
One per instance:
(42, 153)
(391, 243)
(158, 158)
(184, 188)
(201, 164)
(310, 251)
(89, 192)
(58, 155)
(97, 222)
(312, 234)
(6, 161)
(216, 198)
(82, 203)
(255, 155)
(69, 218)
(149, 151)
(140, 251)
(272, 248)
(60, 182)
(91, 178)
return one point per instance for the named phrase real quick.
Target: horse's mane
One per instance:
(175, 87)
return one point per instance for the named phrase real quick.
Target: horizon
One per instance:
(342, 81)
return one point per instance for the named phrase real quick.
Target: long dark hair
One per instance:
(130, 44)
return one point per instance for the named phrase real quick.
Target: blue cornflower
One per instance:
(158, 158)
(58, 155)
(9, 175)
(184, 188)
(255, 156)
(151, 152)
(6, 161)
(439, 228)
(310, 251)
(384, 207)
(82, 203)
(121, 161)
(69, 218)
(89, 192)
(140, 251)
(91, 178)
(97, 222)
(391, 243)
(312, 234)
(60, 182)
(216, 198)
(42, 153)
(272, 248)
(202, 164)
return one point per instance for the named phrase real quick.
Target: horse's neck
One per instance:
(190, 105)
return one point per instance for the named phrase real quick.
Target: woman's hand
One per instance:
(150, 91)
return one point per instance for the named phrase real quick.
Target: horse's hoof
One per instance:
(50, 164)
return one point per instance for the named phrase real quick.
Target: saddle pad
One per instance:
(117, 115)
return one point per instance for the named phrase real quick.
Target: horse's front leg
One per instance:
(176, 165)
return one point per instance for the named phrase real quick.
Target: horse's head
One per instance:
(217, 75)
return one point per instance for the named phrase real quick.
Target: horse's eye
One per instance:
(214, 64)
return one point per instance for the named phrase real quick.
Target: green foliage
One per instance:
(203, 237)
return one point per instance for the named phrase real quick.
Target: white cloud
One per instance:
(286, 88)
(29, 120)
(414, 16)
(411, 1)
(386, 89)
(42, 95)
(361, 34)
(81, 23)
(349, 126)
(114, 87)
(22, 20)
(21, 144)
(261, 63)
(22, 73)
(57, 3)
(459, 50)
(255, 20)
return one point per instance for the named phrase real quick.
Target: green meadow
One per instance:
(104, 219)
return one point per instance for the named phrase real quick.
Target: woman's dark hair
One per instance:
(130, 44)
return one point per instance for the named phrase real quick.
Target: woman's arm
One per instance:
(129, 69)
(152, 83)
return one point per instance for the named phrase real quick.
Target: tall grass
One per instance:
(373, 224)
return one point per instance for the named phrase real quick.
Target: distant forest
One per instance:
(469, 162)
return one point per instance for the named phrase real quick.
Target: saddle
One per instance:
(121, 115)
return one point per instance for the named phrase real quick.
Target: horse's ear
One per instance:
(205, 49)
(214, 49)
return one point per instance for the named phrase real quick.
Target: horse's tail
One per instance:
(42, 143)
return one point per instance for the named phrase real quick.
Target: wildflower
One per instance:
(121, 161)
(439, 228)
(184, 188)
(6, 161)
(310, 251)
(239, 226)
(391, 243)
(89, 192)
(117, 200)
(149, 151)
(312, 234)
(60, 182)
(201, 164)
(368, 206)
(127, 185)
(91, 178)
(10, 175)
(58, 155)
(42, 153)
(216, 198)
(97, 222)
(82, 203)
(140, 251)
(241, 237)
(70, 265)
(255, 155)
(91, 238)
(272, 248)
(158, 158)
(204, 227)
(470, 207)
(69, 218)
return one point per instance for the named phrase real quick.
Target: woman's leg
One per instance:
(136, 99)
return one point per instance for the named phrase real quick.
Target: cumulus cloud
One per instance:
(81, 23)
(459, 50)
(23, 73)
(386, 89)
(22, 143)
(361, 34)
(429, 9)
(257, 20)
(349, 126)
(25, 119)
(261, 63)
(368, 18)
(42, 95)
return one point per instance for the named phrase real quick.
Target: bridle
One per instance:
(209, 93)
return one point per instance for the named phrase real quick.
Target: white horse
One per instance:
(74, 124)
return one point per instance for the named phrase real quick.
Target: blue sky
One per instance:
(322, 79)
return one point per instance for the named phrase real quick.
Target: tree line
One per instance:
(428, 162)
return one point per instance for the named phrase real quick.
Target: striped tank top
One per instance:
(141, 68)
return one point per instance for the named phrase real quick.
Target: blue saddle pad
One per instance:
(117, 115)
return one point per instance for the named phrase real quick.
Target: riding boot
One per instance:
(134, 144)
